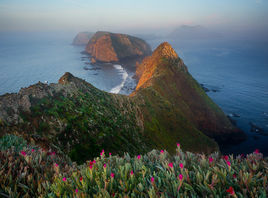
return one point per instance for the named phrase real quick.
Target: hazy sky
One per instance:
(140, 15)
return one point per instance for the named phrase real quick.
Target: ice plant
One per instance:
(64, 179)
(110, 154)
(131, 173)
(228, 163)
(90, 166)
(32, 150)
(23, 153)
(210, 159)
(56, 165)
(230, 190)
(180, 176)
(138, 156)
(152, 179)
(226, 158)
(112, 175)
(162, 151)
(178, 145)
(81, 179)
(104, 165)
(257, 151)
(76, 190)
(170, 165)
(181, 165)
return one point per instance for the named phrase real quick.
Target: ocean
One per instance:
(235, 73)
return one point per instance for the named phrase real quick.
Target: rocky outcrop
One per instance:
(82, 38)
(111, 47)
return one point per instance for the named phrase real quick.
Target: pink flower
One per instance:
(228, 163)
(226, 157)
(110, 154)
(94, 161)
(102, 151)
(210, 159)
(23, 153)
(91, 166)
(162, 151)
(170, 165)
(180, 176)
(131, 172)
(181, 165)
(64, 179)
(152, 179)
(32, 150)
(53, 153)
(112, 175)
(234, 176)
(81, 179)
(56, 165)
(101, 154)
(76, 190)
(178, 145)
(104, 165)
(257, 151)
(138, 156)
(230, 190)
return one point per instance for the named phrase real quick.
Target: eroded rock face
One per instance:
(110, 47)
(82, 38)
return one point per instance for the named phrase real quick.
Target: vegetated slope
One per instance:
(173, 103)
(111, 47)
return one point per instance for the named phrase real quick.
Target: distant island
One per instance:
(189, 32)
(82, 38)
(112, 47)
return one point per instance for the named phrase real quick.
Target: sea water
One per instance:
(235, 72)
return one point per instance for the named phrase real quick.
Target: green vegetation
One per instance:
(41, 173)
(9, 141)
(87, 122)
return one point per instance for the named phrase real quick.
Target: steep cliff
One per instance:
(166, 85)
(111, 47)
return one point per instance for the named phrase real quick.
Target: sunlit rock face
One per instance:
(111, 47)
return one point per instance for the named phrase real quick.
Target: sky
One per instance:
(130, 15)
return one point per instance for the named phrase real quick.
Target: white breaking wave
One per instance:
(124, 74)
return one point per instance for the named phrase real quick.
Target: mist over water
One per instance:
(235, 72)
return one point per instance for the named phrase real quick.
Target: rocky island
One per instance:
(111, 47)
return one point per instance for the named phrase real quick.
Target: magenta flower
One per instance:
(152, 179)
(76, 190)
(228, 163)
(210, 159)
(53, 153)
(162, 151)
(104, 165)
(180, 176)
(64, 179)
(56, 165)
(138, 156)
(23, 153)
(178, 145)
(257, 151)
(170, 165)
(112, 175)
(131, 173)
(81, 179)
(234, 176)
(110, 154)
(94, 161)
(181, 165)
(226, 158)
(90, 166)
(32, 150)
